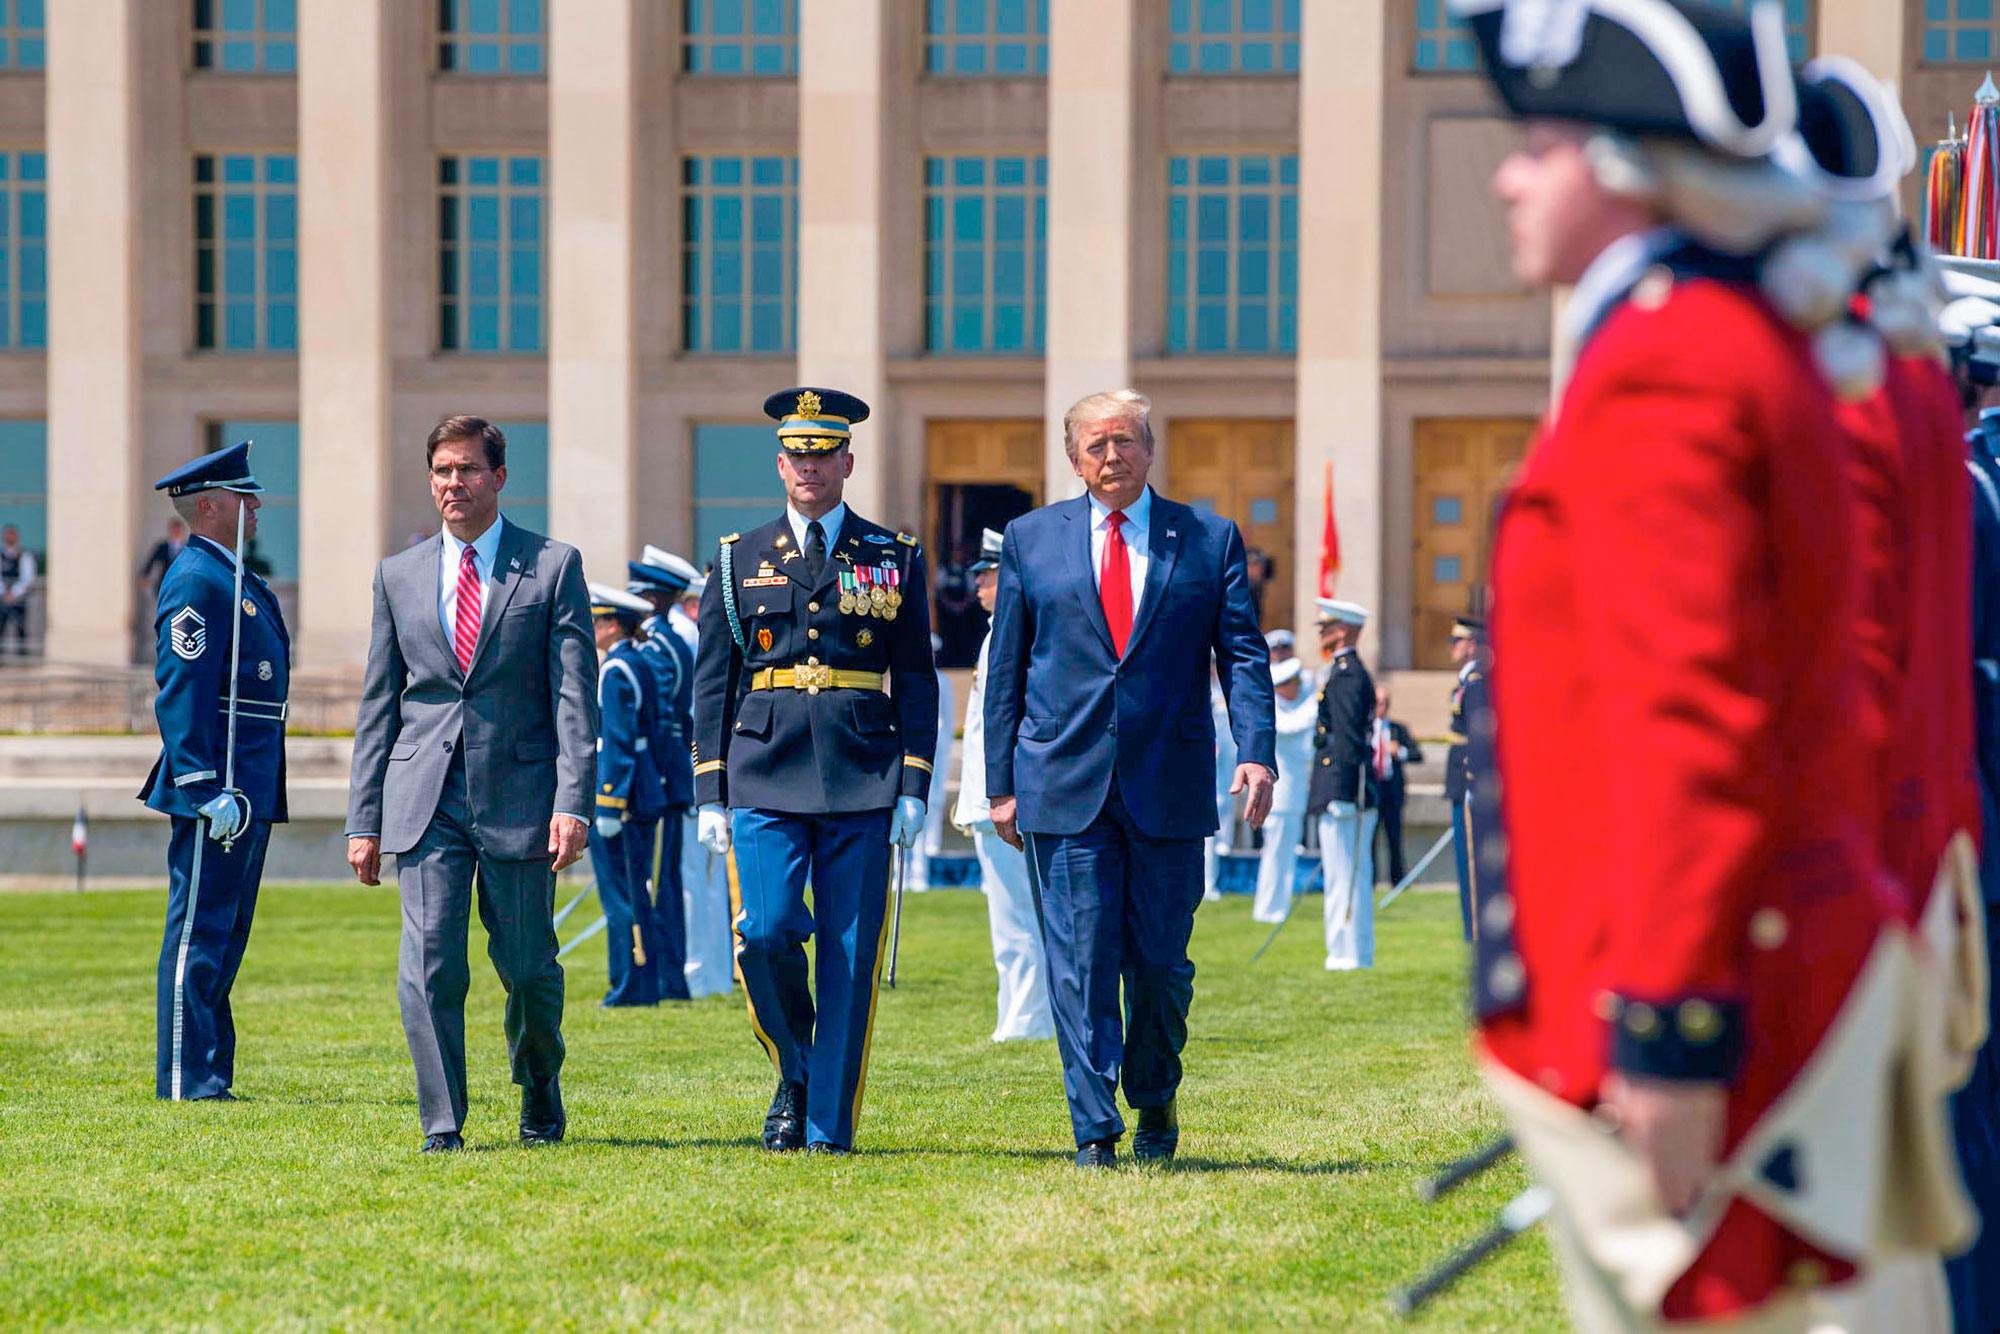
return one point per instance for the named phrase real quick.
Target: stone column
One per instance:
(842, 212)
(1091, 99)
(1341, 77)
(594, 55)
(1870, 31)
(345, 382)
(93, 357)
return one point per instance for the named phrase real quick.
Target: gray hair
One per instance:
(1128, 403)
(188, 507)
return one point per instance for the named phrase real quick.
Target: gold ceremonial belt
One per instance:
(813, 677)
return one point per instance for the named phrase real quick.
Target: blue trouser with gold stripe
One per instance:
(211, 895)
(846, 860)
(624, 865)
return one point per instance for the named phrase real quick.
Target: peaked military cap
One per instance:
(224, 470)
(1343, 613)
(608, 601)
(660, 571)
(1468, 627)
(1286, 671)
(814, 421)
(1674, 69)
(989, 551)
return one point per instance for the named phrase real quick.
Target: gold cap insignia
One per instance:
(809, 405)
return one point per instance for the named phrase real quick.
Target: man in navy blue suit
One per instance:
(1111, 608)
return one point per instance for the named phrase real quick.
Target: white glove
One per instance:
(224, 816)
(711, 828)
(907, 823)
(609, 827)
(1342, 810)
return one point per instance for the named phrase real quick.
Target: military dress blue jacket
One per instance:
(1984, 463)
(672, 662)
(628, 781)
(191, 625)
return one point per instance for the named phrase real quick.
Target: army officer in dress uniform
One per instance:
(213, 615)
(807, 624)
(1341, 795)
(1468, 700)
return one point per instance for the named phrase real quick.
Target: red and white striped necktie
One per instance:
(471, 599)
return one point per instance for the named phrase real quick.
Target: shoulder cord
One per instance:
(728, 573)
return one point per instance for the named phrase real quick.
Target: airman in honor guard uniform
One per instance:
(807, 625)
(661, 579)
(630, 798)
(220, 777)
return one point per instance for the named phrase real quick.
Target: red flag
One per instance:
(1329, 543)
(79, 833)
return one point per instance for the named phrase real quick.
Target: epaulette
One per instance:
(731, 537)
(906, 539)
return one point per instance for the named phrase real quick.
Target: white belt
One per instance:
(263, 710)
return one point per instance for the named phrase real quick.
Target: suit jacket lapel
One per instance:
(426, 592)
(1163, 541)
(508, 570)
(1076, 541)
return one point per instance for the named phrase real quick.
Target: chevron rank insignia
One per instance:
(187, 633)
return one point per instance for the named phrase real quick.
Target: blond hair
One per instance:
(1128, 403)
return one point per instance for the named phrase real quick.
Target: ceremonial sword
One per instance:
(1520, 1213)
(896, 917)
(229, 788)
(1423, 864)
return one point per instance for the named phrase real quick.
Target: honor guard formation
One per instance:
(1724, 750)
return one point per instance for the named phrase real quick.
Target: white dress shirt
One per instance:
(829, 523)
(486, 547)
(973, 808)
(1138, 519)
(684, 625)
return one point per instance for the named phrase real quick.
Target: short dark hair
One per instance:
(465, 426)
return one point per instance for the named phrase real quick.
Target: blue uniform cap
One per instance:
(224, 470)
(814, 421)
(990, 547)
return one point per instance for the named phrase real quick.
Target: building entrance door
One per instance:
(983, 474)
(1242, 469)
(1462, 466)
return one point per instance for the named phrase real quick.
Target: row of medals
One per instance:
(878, 600)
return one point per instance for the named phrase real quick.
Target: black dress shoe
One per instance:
(542, 1119)
(785, 1123)
(224, 1096)
(1158, 1135)
(831, 1150)
(1098, 1153)
(449, 1142)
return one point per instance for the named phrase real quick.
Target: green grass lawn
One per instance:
(1312, 1105)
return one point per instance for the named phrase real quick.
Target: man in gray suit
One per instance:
(474, 758)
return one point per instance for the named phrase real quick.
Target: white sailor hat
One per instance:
(1277, 639)
(1288, 670)
(658, 570)
(990, 546)
(608, 601)
(1343, 613)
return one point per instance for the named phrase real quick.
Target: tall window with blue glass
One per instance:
(246, 252)
(986, 222)
(759, 38)
(491, 37)
(1233, 253)
(23, 37)
(274, 456)
(1233, 36)
(740, 254)
(246, 36)
(24, 250)
(974, 38)
(490, 253)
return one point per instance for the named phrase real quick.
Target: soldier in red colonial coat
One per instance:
(1695, 984)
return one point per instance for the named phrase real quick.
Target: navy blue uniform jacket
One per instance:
(192, 667)
(671, 661)
(628, 704)
(1065, 715)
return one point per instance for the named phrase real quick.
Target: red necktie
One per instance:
(465, 620)
(1114, 582)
